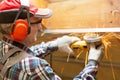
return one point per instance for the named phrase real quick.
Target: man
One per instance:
(18, 61)
(20, 22)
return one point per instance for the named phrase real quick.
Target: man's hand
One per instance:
(64, 43)
(96, 53)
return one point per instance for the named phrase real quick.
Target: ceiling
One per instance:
(83, 14)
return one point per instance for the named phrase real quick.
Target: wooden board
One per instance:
(76, 14)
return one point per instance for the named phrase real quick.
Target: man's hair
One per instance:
(5, 28)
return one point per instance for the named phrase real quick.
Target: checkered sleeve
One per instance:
(44, 72)
(43, 49)
(31, 68)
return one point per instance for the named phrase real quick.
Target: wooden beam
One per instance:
(83, 30)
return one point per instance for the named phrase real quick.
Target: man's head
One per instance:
(12, 10)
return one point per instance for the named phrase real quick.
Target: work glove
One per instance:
(63, 43)
(96, 48)
(96, 52)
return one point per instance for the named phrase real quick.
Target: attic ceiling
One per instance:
(83, 14)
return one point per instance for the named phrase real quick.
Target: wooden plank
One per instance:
(84, 14)
(83, 30)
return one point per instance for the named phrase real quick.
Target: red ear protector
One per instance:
(20, 28)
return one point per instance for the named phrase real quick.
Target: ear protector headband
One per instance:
(21, 28)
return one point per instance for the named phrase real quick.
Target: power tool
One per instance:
(84, 44)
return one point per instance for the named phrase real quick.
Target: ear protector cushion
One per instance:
(19, 30)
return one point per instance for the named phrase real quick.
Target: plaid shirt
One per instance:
(31, 67)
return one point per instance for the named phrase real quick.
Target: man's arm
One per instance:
(96, 51)
(44, 49)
